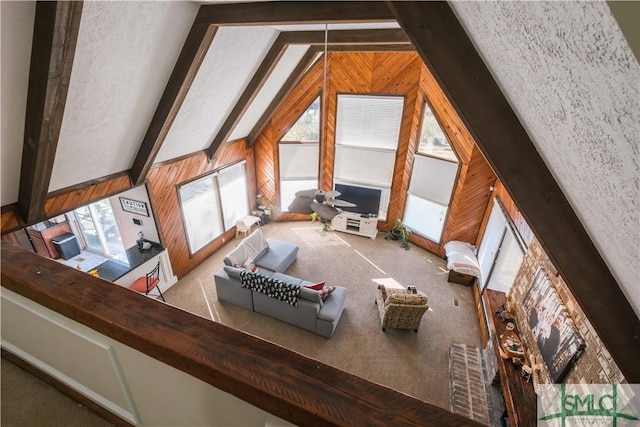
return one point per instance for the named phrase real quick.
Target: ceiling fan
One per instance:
(324, 203)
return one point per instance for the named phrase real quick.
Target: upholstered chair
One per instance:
(400, 309)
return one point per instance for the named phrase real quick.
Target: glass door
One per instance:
(100, 229)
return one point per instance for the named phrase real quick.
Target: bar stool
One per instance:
(148, 282)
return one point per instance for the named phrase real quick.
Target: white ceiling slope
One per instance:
(17, 35)
(281, 72)
(232, 59)
(124, 57)
(574, 83)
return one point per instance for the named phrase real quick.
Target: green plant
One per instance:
(314, 217)
(399, 232)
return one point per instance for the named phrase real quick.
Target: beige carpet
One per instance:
(413, 363)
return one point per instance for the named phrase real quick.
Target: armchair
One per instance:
(400, 309)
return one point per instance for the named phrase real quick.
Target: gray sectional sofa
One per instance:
(273, 257)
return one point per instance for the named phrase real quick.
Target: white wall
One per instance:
(138, 388)
(129, 230)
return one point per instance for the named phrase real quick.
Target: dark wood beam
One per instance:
(295, 76)
(395, 36)
(55, 34)
(257, 81)
(448, 52)
(193, 52)
(287, 384)
(294, 12)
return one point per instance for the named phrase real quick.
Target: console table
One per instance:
(519, 396)
(354, 223)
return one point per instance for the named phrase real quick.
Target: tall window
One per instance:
(432, 182)
(367, 132)
(213, 203)
(307, 127)
(299, 153)
(433, 141)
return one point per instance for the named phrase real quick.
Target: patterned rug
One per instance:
(468, 392)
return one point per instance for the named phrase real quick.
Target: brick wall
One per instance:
(595, 365)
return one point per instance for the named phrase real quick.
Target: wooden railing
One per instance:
(286, 384)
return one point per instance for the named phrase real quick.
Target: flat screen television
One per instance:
(367, 200)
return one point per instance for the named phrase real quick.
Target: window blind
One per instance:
(369, 121)
(364, 166)
(433, 179)
(299, 160)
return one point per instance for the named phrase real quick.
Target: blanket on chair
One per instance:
(274, 288)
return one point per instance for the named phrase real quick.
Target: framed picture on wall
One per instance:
(553, 328)
(134, 206)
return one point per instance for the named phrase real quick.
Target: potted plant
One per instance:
(399, 231)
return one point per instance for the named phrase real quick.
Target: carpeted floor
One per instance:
(416, 364)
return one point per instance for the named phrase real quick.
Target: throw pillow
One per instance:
(325, 292)
(250, 265)
(316, 286)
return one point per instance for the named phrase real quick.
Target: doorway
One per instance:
(99, 229)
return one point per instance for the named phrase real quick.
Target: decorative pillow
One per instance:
(458, 246)
(233, 271)
(325, 292)
(315, 286)
(250, 265)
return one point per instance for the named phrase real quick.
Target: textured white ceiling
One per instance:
(274, 83)
(574, 83)
(232, 59)
(17, 34)
(123, 60)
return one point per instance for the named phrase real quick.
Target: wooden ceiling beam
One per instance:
(259, 78)
(453, 60)
(294, 12)
(296, 75)
(184, 72)
(55, 34)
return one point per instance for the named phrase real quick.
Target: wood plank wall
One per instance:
(162, 183)
(383, 73)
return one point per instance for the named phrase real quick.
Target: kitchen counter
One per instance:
(113, 270)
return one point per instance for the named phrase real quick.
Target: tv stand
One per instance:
(355, 223)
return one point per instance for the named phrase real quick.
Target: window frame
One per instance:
(213, 175)
(426, 104)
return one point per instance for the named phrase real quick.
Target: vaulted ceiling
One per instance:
(555, 87)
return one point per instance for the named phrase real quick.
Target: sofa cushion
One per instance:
(279, 256)
(310, 295)
(233, 271)
(406, 298)
(333, 305)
